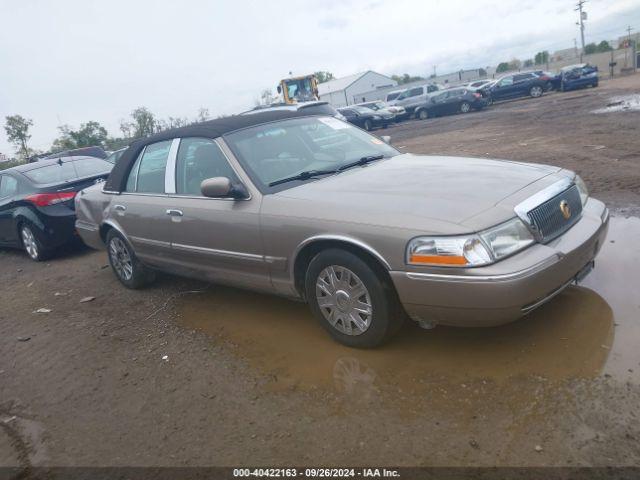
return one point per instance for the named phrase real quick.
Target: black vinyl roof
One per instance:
(210, 129)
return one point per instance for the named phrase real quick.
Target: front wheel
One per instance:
(350, 300)
(465, 107)
(131, 273)
(368, 126)
(536, 91)
(423, 114)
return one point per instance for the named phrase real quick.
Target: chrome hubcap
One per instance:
(536, 92)
(464, 107)
(29, 242)
(344, 300)
(120, 258)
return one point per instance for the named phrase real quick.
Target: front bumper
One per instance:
(509, 289)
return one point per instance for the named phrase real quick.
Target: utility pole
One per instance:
(583, 17)
(626, 64)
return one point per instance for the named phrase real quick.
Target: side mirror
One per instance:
(279, 89)
(221, 187)
(386, 139)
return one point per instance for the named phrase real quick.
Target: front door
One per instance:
(8, 228)
(141, 210)
(219, 237)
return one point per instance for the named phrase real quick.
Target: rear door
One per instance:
(504, 88)
(8, 193)
(141, 211)
(437, 104)
(217, 236)
(522, 83)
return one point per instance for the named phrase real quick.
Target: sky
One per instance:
(73, 61)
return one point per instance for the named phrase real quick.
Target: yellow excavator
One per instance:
(299, 89)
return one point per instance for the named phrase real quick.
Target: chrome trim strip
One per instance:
(170, 169)
(222, 253)
(339, 238)
(529, 308)
(148, 241)
(440, 277)
(91, 227)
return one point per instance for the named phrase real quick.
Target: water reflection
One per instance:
(570, 337)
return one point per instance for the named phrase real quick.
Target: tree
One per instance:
(203, 115)
(590, 48)
(528, 63)
(406, 78)
(88, 135)
(604, 46)
(323, 76)
(144, 122)
(502, 67)
(541, 58)
(17, 128)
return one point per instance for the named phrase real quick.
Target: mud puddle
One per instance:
(621, 104)
(586, 332)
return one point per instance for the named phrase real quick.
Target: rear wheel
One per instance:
(465, 107)
(32, 244)
(125, 264)
(350, 300)
(536, 91)
(368, 126)
(423, 114)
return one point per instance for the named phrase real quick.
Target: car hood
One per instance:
(448, 194)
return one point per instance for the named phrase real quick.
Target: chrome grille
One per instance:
(547, 218)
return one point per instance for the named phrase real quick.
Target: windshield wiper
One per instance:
(361, 161)
(306, 175)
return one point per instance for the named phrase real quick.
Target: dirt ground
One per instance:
(189, 374)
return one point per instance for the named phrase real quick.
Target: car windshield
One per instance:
(393, 96)
(279, 150)
(68, 171)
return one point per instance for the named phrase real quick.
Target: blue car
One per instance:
(578, 76)
(516, 85)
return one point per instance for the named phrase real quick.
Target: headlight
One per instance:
(507, 238)
(582, 189)
(448, 251)
(470, 250)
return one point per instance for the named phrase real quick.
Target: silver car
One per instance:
(312, 208)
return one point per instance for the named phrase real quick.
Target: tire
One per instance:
(32, 243)
(124, 263)
(333, 279)
(595, 85)
(368, 126)
(465, 107)
(536, 91)
(423, 114)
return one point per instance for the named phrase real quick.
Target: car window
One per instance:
(393, 96)
(414, 92)
(115, 156)
(8, 186)
(282, 149)
(58, 172)
(506, 81)
(147, 174)
(522, 77)
(90, 166)
(199, 159)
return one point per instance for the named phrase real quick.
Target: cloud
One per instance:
(75, 61)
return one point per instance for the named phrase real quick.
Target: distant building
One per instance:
(349, 90)
(3, 158)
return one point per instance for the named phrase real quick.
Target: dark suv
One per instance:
(517, 85)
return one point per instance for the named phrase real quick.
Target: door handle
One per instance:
(119, 208)
(175, 213)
